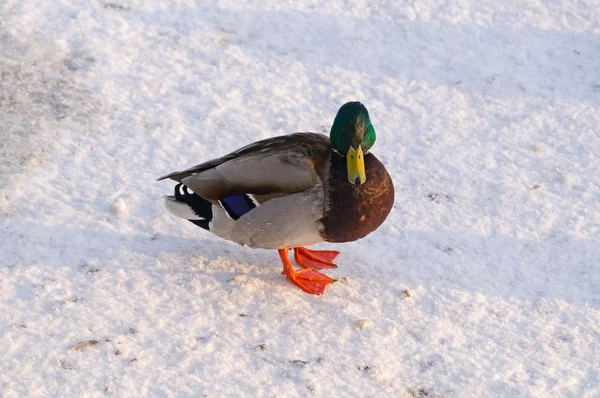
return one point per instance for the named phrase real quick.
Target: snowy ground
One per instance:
(484, 281)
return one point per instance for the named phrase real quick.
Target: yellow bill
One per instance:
(355, 162)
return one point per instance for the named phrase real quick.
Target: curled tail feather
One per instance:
(187, 205)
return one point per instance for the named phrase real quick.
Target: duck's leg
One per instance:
(315, 258)
(309, 280)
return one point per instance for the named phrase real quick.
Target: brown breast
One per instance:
(356, 210)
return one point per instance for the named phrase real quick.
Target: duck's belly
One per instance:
(357, 210)
(285, 222)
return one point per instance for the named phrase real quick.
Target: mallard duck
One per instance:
(292, 191)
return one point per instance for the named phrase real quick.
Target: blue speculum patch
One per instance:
(237, 205)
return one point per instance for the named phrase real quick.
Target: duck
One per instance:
(292, 191)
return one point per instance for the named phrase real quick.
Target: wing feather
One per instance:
(275, 166)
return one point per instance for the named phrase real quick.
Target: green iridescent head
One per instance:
(352, 135)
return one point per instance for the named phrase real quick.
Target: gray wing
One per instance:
(274, 166)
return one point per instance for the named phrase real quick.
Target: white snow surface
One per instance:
(483, 282)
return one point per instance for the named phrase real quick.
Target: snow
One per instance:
(484, 280)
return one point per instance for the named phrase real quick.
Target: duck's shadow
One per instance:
(105, 249)
(560, 267)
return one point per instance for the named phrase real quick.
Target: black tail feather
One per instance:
(201, 207)
(201, 223)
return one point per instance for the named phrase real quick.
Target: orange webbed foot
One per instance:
(309, 280)
(315, 258)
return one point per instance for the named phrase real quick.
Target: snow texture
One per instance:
(483, 282)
